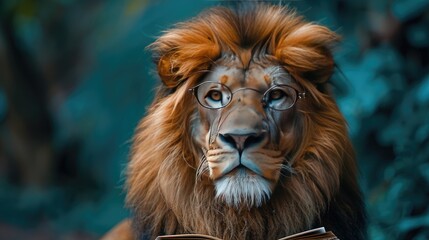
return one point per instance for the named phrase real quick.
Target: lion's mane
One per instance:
(164, 193)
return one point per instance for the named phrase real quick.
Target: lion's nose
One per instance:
(242, 140)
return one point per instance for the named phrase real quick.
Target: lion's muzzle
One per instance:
(241, 153)
(240, 133)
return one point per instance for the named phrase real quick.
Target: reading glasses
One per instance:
(215, 95)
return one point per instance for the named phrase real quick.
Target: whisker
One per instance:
(286, 168)
(286, 171)
(186, 161)
(202, 168)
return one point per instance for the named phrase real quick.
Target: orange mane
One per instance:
(163, 191)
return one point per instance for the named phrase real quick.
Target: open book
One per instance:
(317, 233)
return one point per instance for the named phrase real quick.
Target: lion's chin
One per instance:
(242, 188)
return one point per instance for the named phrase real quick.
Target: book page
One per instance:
(187, 237)
(317, 233)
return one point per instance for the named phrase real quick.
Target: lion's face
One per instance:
(244, 127)
(230, 147)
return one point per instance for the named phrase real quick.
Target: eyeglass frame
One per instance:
(299, 95)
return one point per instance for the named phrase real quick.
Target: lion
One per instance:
(244, 139)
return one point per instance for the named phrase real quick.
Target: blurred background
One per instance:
(75, 79)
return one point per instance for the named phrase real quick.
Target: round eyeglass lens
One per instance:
(213, 95)
(280, 97)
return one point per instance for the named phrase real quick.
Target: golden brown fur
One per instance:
(164, 193)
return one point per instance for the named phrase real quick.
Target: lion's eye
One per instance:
(277, 94)
(215, 95)
(280, 97)
(212, 95)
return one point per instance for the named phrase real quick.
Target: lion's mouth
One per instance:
(224, 162)
(244, 178)
(240, 170)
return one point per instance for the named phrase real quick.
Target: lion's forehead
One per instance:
(256, 75)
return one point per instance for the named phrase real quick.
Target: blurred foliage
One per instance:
(75, 79)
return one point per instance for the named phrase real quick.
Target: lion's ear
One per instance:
(184, 52)
(306, 51)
